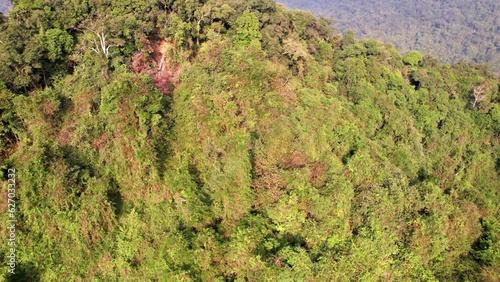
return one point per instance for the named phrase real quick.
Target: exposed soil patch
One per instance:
(155, 58)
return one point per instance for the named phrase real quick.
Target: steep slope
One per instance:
(239, 140)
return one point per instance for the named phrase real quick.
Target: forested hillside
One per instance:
(236, 140)
(454, 31)
(4, 6)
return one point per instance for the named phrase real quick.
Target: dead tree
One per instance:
(479, 93)
(199, 19)
(102, 46)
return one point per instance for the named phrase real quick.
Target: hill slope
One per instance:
(234, 141)
(453, 31)
(5, 6)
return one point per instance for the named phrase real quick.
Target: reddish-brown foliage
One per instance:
(296, 160)
(155, 58)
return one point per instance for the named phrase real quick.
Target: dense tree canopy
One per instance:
(239, 141)
(454, 31)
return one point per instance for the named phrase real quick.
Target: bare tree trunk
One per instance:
(479, 94)
(102, 46)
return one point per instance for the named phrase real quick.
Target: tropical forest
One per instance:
(238, 140)
(452, 30)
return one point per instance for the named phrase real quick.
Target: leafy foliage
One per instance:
(413, 58)
(453, 31)
(279, 152)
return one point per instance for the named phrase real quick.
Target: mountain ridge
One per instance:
(449, 30)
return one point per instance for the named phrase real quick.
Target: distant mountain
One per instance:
(5, 6)
(454, 31)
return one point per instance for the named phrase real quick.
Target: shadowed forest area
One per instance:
(453, 31)
(239, 141)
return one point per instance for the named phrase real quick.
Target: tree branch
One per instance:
(479, 94)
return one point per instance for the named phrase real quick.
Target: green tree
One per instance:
(247, 31)
(413, 58)
(486, 249)
(58, 43)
